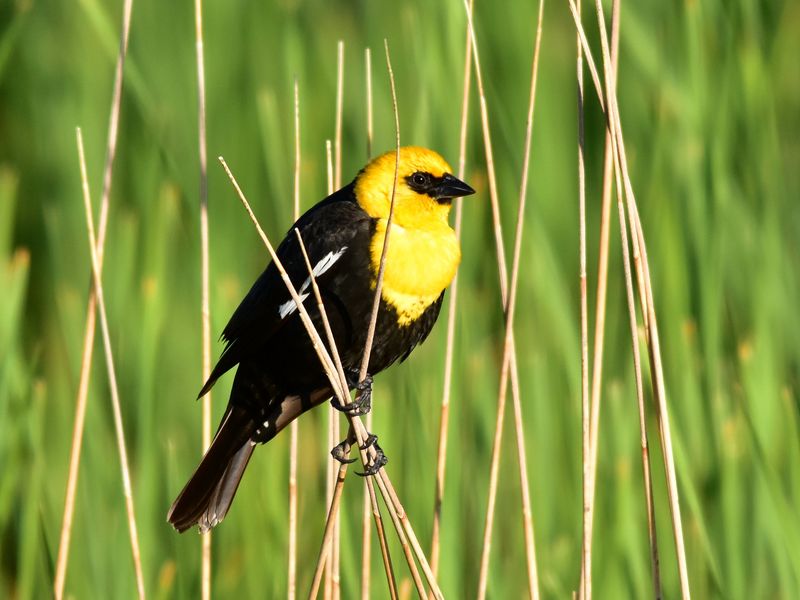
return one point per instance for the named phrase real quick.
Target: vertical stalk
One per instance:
(333, 428)
(441, 453)
(112, 378)
(586, 548)
(91, 314)
(205, 309)
(483, 575)
(602, 287)
(366, 540)
(294, 430)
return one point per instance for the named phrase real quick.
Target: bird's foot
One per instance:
(353, 377)
(362, 403)
(341, 452)
(377, 461)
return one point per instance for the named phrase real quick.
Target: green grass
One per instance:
(710, 105)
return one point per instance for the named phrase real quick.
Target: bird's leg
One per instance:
(377, 461)
(362, 403)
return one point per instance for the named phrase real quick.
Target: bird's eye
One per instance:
(420, 179)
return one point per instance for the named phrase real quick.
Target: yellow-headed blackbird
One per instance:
(279, 375)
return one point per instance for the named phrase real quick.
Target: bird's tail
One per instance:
(206, 498)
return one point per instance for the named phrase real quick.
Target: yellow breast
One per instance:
(420, 264)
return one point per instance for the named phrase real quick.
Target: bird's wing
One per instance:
(328, 231)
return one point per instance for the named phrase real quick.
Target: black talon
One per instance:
(353, 377)
(370, 441)
(362, 403)
(380, 458)
(341, 451)
(365, 385)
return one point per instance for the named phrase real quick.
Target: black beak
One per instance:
(452, 187)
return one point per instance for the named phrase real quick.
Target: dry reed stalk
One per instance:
(333, 423)
(342, 471)
(329, 529)
(337, 361)
(339, 385)
(205, 309)
(533, 584)
(368, 78)
(316, 341)
(499, 248)
(401, 521)
(376, 302)
(644, 445)
(330, 524)
(441, 453)
(586, 546)
(612, 124)
(502, 272)
(337, 183)
(602, 287)
(294, 433)
(297, 155)
(91, 315)
(317, 344)
(527, 513)
(337, 180)
(366, 540)
(404, 530)
(493, 195)
(366, 455)
(387, 489)
(656, 367)
(112, 375)
(588, 55)
(355, 423)
(327, 364)
(333, 502)
(409, 544)
(648, 308)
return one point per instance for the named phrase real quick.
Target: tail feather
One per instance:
(208, 495)
(206, 498)
(221, 499)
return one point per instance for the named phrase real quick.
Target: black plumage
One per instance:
(279, 376)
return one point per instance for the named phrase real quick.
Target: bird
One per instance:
(279, 375)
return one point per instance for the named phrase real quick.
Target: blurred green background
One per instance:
(710, 102)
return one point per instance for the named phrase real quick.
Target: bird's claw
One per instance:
(341, 451)
(370, 441)
(353, 377)
(379, 460)
(362, 403)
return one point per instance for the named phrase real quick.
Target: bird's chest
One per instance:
(420, 264)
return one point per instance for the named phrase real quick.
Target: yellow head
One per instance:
(425, 187)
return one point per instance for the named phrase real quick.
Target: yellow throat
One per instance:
(423, 252)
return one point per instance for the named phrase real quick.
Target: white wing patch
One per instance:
(327, 261)
(290, 306)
